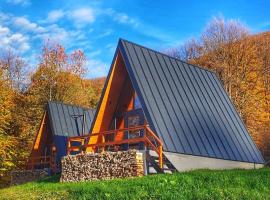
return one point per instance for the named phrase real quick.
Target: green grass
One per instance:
(201, 184)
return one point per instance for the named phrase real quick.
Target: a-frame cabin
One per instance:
(170, 109)
(60, 121)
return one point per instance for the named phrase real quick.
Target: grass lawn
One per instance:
(201, 184)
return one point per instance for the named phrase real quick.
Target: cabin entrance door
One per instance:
(134, 118)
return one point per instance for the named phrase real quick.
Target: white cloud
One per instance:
(82, 16)
(111, 47)
(55, 15)
(25, 24)
(19, 41)
(14, 41)
(4, 17)
(19, 2)
(95, 53)
(121, 18)
(125, 19)
(104, 34)
(96, 68)
(78, 34)
(54, 33)
(4, 31)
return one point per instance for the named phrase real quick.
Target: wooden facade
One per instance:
(43, 151)
(118, 98)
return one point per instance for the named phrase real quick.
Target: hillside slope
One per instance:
(202, 184)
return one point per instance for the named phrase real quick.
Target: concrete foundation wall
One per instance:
(183, 162)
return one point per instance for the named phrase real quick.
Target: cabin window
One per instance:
(137, 103)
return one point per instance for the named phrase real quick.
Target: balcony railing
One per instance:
(41, 162)
(148, 138)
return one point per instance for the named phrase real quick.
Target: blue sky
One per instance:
(96, 25)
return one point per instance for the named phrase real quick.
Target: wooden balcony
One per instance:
(108, 142)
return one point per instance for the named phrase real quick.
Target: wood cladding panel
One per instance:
(43, 138)
(126, 102)
(110, 99)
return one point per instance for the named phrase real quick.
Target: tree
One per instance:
(94, 87)
(13, 69)
(7, 106)
(59, 77)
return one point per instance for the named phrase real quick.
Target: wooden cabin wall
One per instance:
(111, 98)
(125, 103)
(43, 139)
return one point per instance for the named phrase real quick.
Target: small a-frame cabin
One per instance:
(60, 121)
(177, 113)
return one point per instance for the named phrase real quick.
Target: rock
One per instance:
(24, 176)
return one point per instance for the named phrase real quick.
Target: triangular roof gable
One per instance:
(186, 106)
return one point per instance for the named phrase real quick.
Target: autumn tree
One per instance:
(96, 86)
(11, 67)
(59, 77)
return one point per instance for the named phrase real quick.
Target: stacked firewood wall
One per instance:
(100, 166)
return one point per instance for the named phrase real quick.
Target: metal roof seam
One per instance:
(140, 94)
(159, 91)
(222, 117)
(233, 129)
(157, 88)
(151, 92)
(72, 122)
(227, 120)
(184, 103)
(178, 107)
(179, 71)
(177, 103)
(196, 115)
(241, 125)
(65, 118)
(247, 136)
(61, 118)
(201, 101)
(190, 97)
(208, 111)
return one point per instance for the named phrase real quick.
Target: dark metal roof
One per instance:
(187, 106)
(67, 121)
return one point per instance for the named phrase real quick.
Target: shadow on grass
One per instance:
(51, 179)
